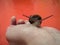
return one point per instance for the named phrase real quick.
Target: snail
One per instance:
(36, 19)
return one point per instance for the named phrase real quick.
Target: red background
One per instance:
(9, 8)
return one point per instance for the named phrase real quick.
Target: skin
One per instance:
(24, 33)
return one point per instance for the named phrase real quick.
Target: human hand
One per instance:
(24, 33)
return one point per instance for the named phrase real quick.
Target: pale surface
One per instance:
(31, 35)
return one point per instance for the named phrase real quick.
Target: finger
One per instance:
(20, 21)
(27, 22)
(13, 20)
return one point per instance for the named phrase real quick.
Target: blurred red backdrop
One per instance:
(9, 8)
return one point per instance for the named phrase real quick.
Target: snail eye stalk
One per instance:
(25, 16)
(42, 19)
(47, 17)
